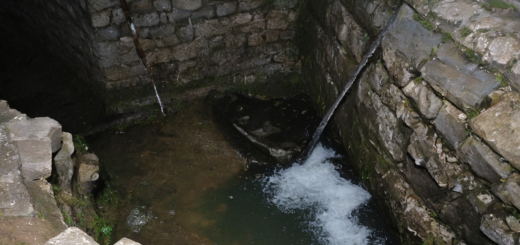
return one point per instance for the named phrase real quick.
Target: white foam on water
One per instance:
(317, 187)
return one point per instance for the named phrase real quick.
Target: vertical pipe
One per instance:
(138, 48)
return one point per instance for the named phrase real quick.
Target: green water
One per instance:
(191, 177)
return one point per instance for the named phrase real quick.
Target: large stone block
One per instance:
(483, 161)
(87, 167)
(207, 12)
(497, 230)
(101, 19)
(190, 5)
(72, 235)
(118, 16)
(146, 20)
(427, 102)
(252, 27)
(161, 31)
(277, 20)
(36, 157)
(499, 126)
(97, 5)
(189, 50)
(109, 33)
(226, 8)
(410, 40)
(64, 168)
(37, 128)
(246, 5)
(463, 90)
(140, 7)
(178, 15)
(450, 124)
(162, 5)
(213, 27)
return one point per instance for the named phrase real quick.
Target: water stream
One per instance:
(186, 180)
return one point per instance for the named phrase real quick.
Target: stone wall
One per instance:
(191, 44)
(433, 124)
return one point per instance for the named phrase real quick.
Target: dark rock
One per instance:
(110, 33)
(226, 8)
(207, 12)
(178, 15)
(461, 89)
(162, 5)
(190, 5)
(450, 123)
(483, 161)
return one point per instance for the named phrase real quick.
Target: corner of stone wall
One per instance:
(191, 45)
(432, 125)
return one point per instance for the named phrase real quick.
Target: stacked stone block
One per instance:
(431, 123)
(188, 41)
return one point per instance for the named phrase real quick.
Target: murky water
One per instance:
(185, 183)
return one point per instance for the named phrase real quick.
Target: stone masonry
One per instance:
(186, 42)
(434, 121)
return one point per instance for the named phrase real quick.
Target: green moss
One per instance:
(471, 113)
(446, 37)
(501, 79)
(79, 143)
(464, 32)
(501, 4)
(424, 22)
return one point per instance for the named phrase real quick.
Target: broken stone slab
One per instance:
(499, 126)
(450, 124)
(40, 127)
(126, 241)
(72, 235)
(36, 158)
(87, 172)
(427, 102)
(483, 161)
(44, 202)
(15, 199)
(513, 223)
(509, 191)
(450, 55)
(463, 90)
(397, 51)
(64, 168)
(496, 230)
(7, 114)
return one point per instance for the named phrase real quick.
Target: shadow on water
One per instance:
(189, 179)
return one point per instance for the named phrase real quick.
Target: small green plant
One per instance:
(41, 215)
(424, 22)
(486, 7)
(501, 79)
(79, 143)
(464, 32)
(68, 219)
(446, 37)
(365, 38)
(434, 50)
(471, 113)
(499, 4)
(102, 230)
(108, 197)
(433, 214)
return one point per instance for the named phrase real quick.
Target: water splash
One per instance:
(316, 186)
